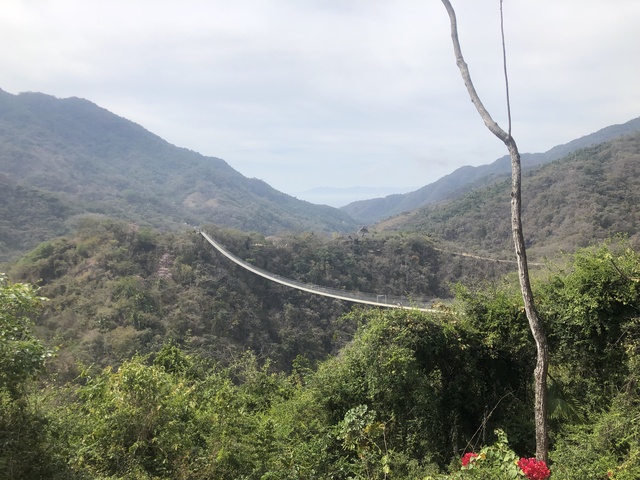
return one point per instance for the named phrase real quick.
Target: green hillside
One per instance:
(199, 384)
(28, 216)
(467, 178)
(586, 197)
(93, 161)
(116, 289)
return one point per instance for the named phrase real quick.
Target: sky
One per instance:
(333, 93)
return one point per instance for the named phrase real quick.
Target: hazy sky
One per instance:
(339, 93)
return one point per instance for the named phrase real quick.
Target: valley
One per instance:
(130, 347)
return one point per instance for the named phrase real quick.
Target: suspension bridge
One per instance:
(378, 300)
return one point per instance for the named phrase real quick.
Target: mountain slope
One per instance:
(28, 215)
(464, 178)
(115, 289)
(586, 197)
(102, 163)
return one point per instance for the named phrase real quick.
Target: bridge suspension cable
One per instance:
(378, 300)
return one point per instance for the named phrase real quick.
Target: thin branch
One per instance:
(504, 63)
(485, 420)
(466, 78)
(621, 273)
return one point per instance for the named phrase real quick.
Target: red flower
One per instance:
(534, 469)
(466, 458)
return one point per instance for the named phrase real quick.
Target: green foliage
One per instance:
(607, 445)
(175, 361)
(499, 459)
(26, 449)
(590, 311)
(22, 355)
(147, 421)
(431, 383)
(29, 445)
(362, 433)
(300, 438)
(498, 314)
(190, 359)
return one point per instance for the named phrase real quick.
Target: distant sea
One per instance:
(339, 197)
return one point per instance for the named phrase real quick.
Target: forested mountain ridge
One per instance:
(588, 196)
(465, 178)
(115, 289)
(93, 161)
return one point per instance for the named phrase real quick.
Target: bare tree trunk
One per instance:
(542, 361)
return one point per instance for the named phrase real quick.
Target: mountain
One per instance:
(114, 289)
(28, 213)
(586, 197)
(91, 161)
(464, 178)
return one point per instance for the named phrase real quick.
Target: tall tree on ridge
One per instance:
(537, 330)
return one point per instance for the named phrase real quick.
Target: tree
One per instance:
(25, 443)
(21, 354)
(173, 418)
(537, 330)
